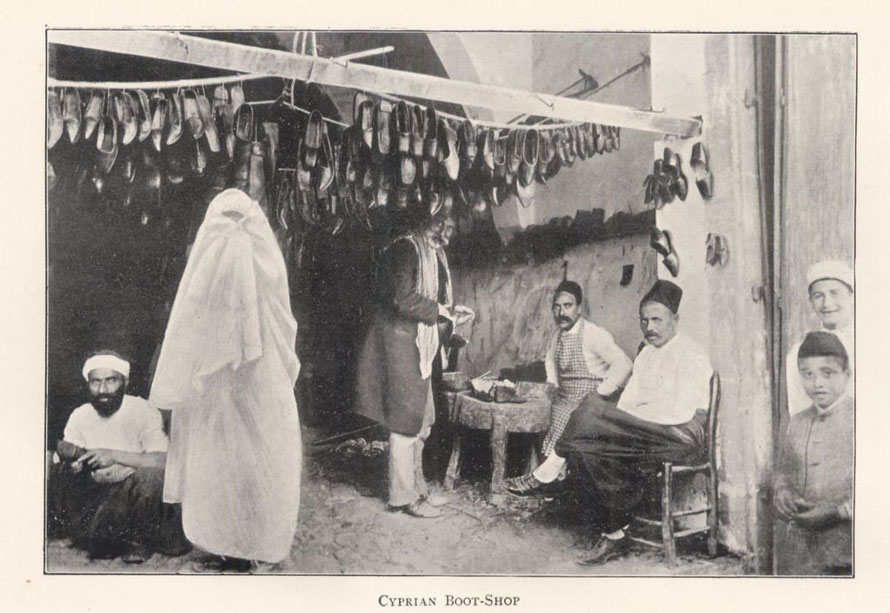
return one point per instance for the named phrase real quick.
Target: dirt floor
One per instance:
(345, 528)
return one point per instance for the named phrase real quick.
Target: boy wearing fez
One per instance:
(814, 484)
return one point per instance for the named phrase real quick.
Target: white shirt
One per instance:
(134, 427)
(605, 359)
(669, 383)
(797, 396)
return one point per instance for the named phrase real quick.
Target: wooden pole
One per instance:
(243, 58)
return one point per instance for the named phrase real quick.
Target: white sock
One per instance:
(550, 469)
(614, 536)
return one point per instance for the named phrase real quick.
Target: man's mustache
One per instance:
(563, 318)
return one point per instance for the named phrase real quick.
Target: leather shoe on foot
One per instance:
(604, 550)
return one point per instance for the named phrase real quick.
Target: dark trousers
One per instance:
(612, 454)
(107, 519)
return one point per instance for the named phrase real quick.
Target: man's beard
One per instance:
(107, 404)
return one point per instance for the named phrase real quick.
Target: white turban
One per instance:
(106, 360)
(830, 269)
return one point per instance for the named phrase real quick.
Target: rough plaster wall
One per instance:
(820, 167)
(514, 322)
(731, 324)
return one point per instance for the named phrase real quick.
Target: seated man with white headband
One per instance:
(105, 490)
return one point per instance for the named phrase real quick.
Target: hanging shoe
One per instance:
(701, 168)
(431, 129)
(546, 154)
(54, 123)
(256, 182)
(401, 126)
(125, 115)
(174, 118)
(447, 150)
(72, 114)
(580, 145)
(142, 108)
(417, 131)
(312, 138)
(530, 152)
(466, 144)
(158, 107)
(382, 140)
(93, 115)
(106, 144)
(324, 167)
(366, 126)
(236, 97)
(190, 115)
(205, 112)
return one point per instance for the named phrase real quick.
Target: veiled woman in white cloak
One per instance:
(227, 370)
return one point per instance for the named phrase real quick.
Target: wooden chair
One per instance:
(669, 514)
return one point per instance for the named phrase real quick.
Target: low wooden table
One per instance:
(502, 418)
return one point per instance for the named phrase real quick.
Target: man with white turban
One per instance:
(105, 489)
(227, 370)
(830, 287)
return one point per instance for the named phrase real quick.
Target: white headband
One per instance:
(106, 360)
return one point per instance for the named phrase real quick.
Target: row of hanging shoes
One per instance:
(402, 156)
(108, 149)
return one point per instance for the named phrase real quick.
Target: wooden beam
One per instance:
(242, 58)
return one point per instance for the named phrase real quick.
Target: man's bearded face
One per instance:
(107, 388)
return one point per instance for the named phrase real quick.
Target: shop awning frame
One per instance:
(198, 51)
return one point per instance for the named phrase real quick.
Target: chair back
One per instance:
(713, 409)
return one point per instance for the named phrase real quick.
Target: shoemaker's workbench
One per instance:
(502, 418)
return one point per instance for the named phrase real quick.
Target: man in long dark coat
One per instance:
(395, 365)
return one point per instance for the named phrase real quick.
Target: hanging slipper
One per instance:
(243, 132)
(530, 152)
(236, 97)
(431, 128)
(616, 138)
(224, 119)
(701, 168)
(174, 118)
(447, 150)
(546, 154)
(580, 144)
(679, 183)
(125, 115)
(72, 114)
(515, 142)
(324, 168)
(466, 144)
(485, 145)
(158, 120)
(418, 134)
(313, 138)
(662, 243)
(402, 127)
(93, 115)
(717, 251)
(142, 109)
(382, 137)
(55, 126)
(205, 112)
(190, 115)
(106, 144)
